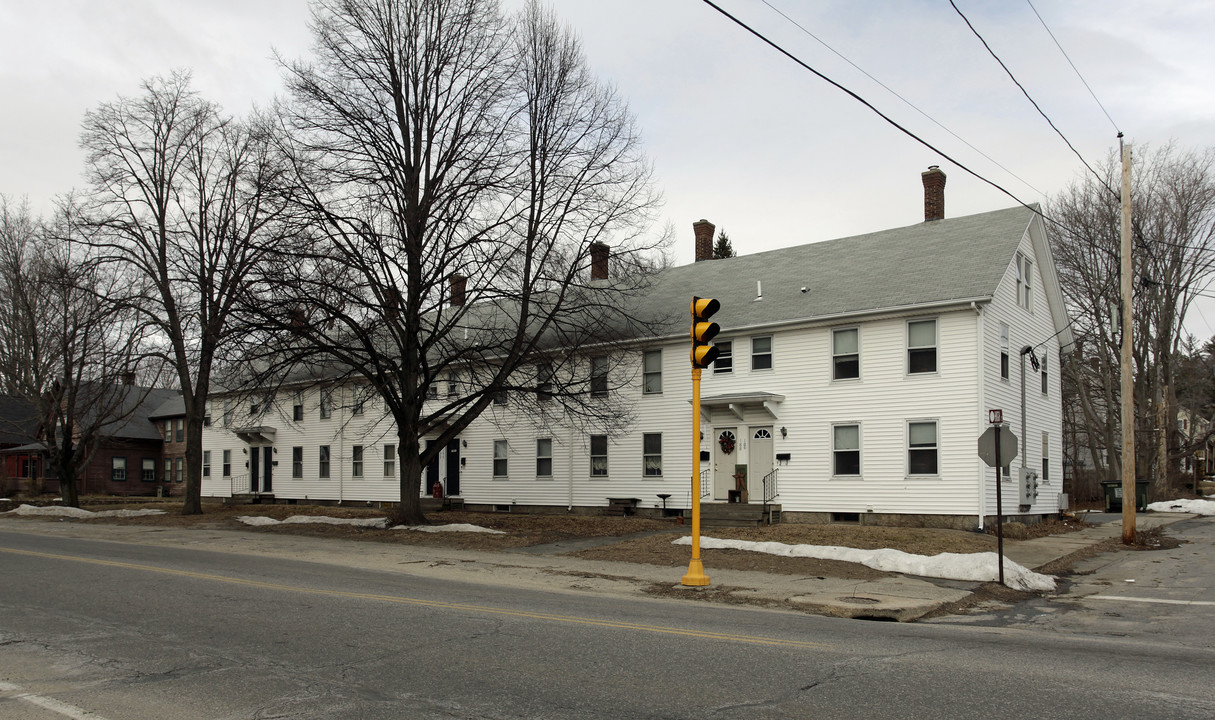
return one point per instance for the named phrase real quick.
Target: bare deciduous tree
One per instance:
(64, 345)
(1173, 208)
(463, 175)
(183, 199)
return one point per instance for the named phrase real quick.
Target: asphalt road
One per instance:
(117, 631)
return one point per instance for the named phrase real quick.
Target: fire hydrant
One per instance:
(437, 490)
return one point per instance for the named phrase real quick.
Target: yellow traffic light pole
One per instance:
(696, 571)
(703, 354)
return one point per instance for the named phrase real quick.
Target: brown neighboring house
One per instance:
(21, 455)
(136, 455)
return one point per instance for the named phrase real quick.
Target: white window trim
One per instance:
(607, 470)
(936, 346)
(645, 385)
(390, 460)
(1005, 353)
(771, 352)
(548, 457)
(644, 455)
(729, 368)
(907, 446)
(860, 446)
(505, 445)
(857, 353)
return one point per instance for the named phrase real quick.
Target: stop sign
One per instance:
(987, 446)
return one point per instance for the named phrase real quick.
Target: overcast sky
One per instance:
(738, 134)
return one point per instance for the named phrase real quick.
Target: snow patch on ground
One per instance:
(1198, 507)
(72, 512)
(980, 567)
(363, 522)
(454, 527)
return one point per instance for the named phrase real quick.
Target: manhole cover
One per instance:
(857, 600)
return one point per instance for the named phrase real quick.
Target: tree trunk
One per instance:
(409, 511)
(192, 503)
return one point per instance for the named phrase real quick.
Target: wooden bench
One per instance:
(622, 506)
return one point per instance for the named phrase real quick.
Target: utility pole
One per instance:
(1128, 381)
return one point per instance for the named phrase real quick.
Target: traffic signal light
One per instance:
(703, 354)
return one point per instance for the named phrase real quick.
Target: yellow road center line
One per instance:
(571, 619)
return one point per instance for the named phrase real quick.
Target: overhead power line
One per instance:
(1076, 69)
(880, 114)
(890, 90)
(1031, 100)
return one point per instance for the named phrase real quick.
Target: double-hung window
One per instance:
(544, 457)
(1025, 271)
(179, 469)
(326, 403)
(761, 353)
(544, 382)
(922, 447)
(922, 346)
(1003, 351)
(206, 463)
(1045, 457)
(846, 449)
(297, 408)
(1042, 370)
(501, 449)
(180, 426)
(297, 462)
(227, 413)
(845, 354)
(599, 456)
(356, 461)
(148, 472)
(651, 454)
(599, 376)
(652, 372)
(118, 469)
(725, 356)
(227, 463)
(390, 460)
(322, 462)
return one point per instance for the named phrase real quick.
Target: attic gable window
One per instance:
(922, 346)
(1025, 271)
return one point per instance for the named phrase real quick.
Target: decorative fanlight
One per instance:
(726, 440)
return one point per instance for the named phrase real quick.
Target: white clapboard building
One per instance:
(854, 381)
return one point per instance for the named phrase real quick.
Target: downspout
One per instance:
(982, 400)
(569, 468)
(341, 445)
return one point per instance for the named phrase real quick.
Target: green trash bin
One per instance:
(1113, 495)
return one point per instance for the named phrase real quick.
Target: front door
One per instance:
(453, 467)
(760, 453)
(267, 464)
(255, 467)
(725, 456)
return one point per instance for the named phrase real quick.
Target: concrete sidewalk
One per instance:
(897, 597)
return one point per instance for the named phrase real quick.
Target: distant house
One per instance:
(20, 451)
(854, 380)
(136, 454)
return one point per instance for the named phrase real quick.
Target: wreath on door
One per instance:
(726, 441)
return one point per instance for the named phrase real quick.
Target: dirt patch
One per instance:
(659, 550)
(1050, 526)
(519, 530)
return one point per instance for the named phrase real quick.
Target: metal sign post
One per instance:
(995, 444)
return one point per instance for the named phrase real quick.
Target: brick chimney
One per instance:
(704, 239)
(934, 193)
(599, 261)
(459, 284)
